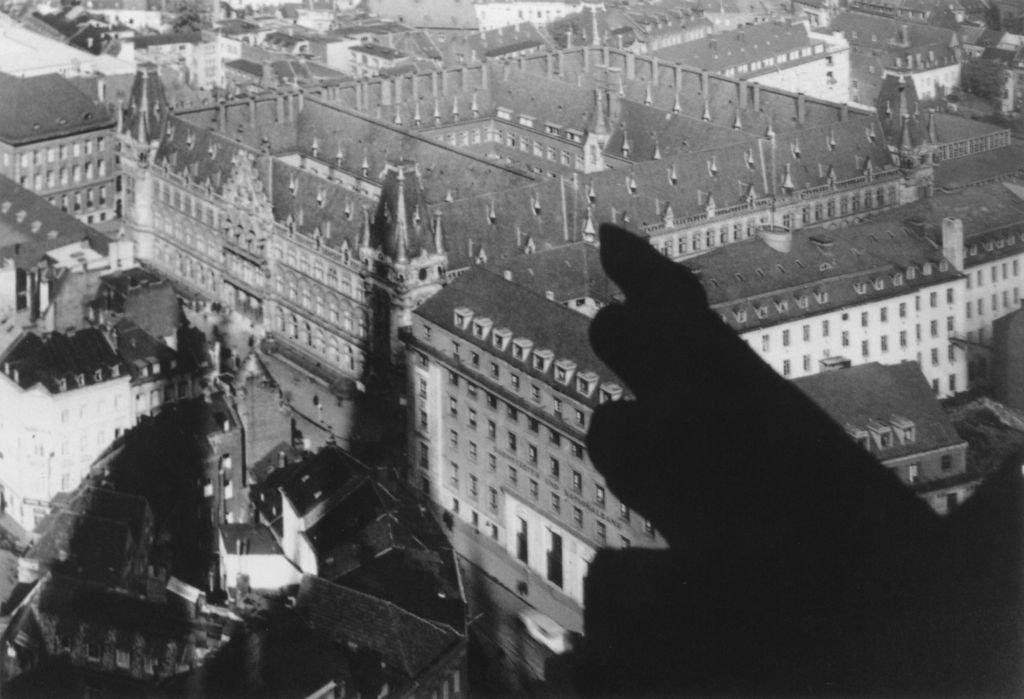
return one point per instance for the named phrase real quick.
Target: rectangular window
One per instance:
(554, 468)
(492, 501)
(522, 545)
(513, 475)
(556, 503)
(534, 489)
(577, 517)
(577, 481)
(453, 438)
(602, 532)
(624, 511)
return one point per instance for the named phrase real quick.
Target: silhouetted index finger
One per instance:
(645, 275)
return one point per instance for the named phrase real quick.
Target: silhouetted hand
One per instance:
(798, 564)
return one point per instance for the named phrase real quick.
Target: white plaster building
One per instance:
(811, 299)
(503, 383)
(63, 399)
(493, 14)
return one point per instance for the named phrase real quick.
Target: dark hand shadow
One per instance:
(797, 564)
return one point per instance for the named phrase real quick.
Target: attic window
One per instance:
(542, 359)
(608, 392)
(521, 348)
(881, 434)
(740, 314)
(911, 272)
(859, 436)
(821, 296)
(501, 338)
(927, 268)
(904, 429)
(115, 371)
(802, 301)
(462, 318)
(879, 284)
(761, 311)
(97, 375)
(505, 114)
(943, 265)
(973, 250)
(586, 382)
(860, 287)
(482, 326)
(80, 380)
(781, 305)
(564, 369)
(897, 279)
(87, 116)
(62, 384)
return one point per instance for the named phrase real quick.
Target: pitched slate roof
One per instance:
(143, 297)
(249, 539)
(874, 393)
(752, 285)
(924, 42)
(569, 272)
(528, 315)
(407, 643)
(30, 227)
(45, 107)
(44, 359)
(84, 546)
(738, 47)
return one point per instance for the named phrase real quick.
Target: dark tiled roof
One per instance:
(86, 547)
(407, 643)
(144, 41)
(45, 107)
(528, 315)
(326, 475)
(423, 582)
(130, 509)
(738, 47)
(858, 396)
(30, 226)
(748, 276)
(45, 359)
(979, 167)
(143, 297)
(570, 272)
(882, 34)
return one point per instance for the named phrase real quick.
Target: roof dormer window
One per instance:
(521, 348)
(564, 369)
(859, 435)
(481, 327)
(608, 392)
(911, 272)
(62, 384)
(501, 338)
(115, 371)
(781, 305)
(586, 382)
(80, 380)
(504, 113)
(879, 284)
(740, 315)
(542, 359)
(860, 287)
(943, 265)
(462, 317)
(904, 429)
(926, 268)
(802, 301)
(881, 434)
(97, 375)
(821, 296)
(761, 311)
(897, 279)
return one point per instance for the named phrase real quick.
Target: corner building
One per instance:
(503, 383)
